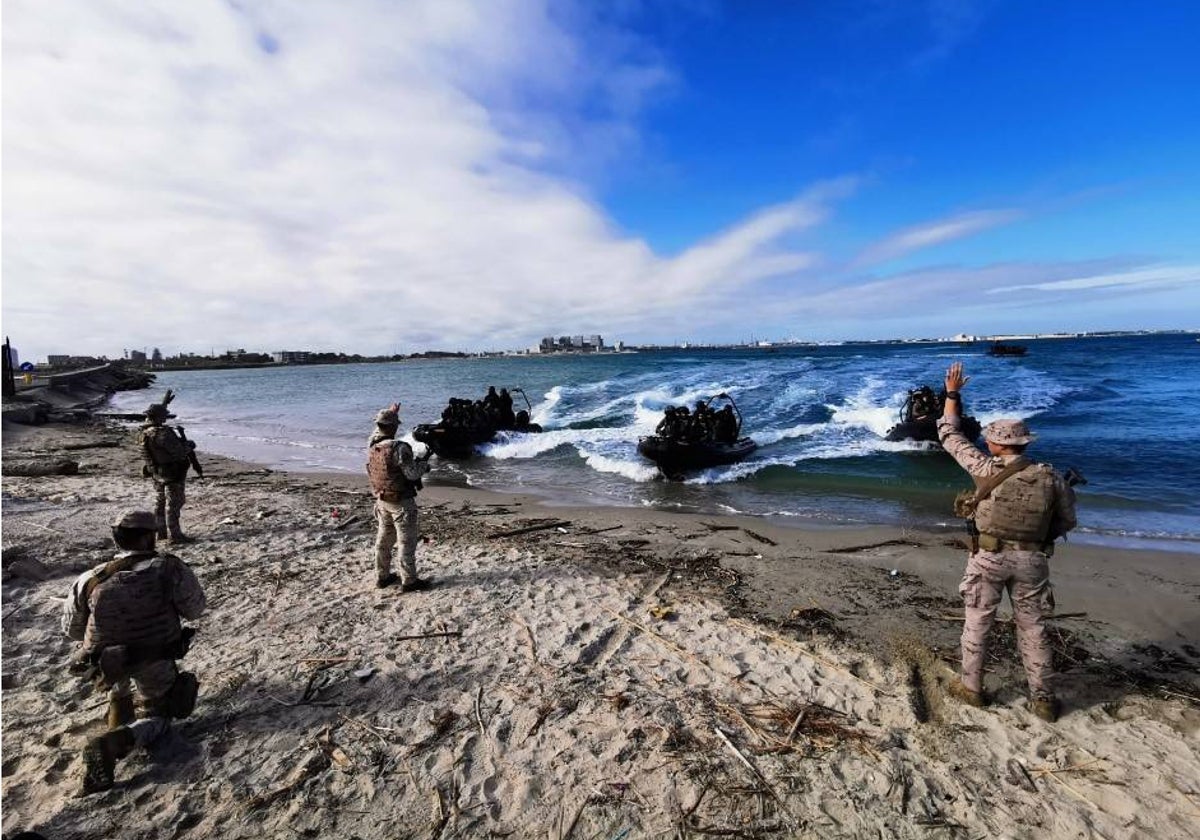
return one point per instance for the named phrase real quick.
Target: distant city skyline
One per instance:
(389, 177)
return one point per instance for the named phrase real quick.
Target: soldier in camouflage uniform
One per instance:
(395, 476)
(167, 457)
(126, 613)
(1017, 521)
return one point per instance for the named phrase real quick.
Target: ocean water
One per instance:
(1124, 411)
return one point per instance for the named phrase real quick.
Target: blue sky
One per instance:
(381, 176)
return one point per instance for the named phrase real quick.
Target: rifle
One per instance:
(191, 452)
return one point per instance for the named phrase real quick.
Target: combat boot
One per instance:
(121, 711)
(180, 539)
(100, 758)
(416, 585)
(963, 694)
(1047, 708)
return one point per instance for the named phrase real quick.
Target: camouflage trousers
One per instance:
(396, 520)
(153, 682)
(168, 501)
(1025, 575)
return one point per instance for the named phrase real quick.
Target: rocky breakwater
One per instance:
(69, 397)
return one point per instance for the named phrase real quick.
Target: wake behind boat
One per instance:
(685, 442)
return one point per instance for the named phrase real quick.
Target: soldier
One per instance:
(167, 457)
(395, 477)
(126, 612)
(725, 425)
(1019, 508)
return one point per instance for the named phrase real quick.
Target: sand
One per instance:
(620, 673)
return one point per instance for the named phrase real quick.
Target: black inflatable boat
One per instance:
(674, 457)
(458, 440)
(919, 416)
(684, 448)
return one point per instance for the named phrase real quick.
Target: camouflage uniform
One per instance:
(167, 460)
(397, 516)
(140, 606)
(1021, 569)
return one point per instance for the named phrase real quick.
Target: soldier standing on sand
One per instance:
(167, 458)
(1019, 508)
(395, 477)
(126, 612)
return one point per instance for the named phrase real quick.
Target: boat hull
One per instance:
(925, 430)
(456, 443)
(675, 458)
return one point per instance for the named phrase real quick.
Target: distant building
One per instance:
(138, 357)
(290, 357)
(58, 361)
(570, 344)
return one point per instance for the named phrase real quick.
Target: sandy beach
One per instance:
(585, 673)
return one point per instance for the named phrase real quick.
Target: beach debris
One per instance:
(263, 514)
(757, 537)
(916, 694)
(313, 763)
(364, 674)
(663, 612)
(438, 634)
(529, 529)
(852, 549)
(1019, 776)
(229, 520)
(350, 520)
(29, 568)
(894, 573)
(44, 467)
(333, 752)
(804, 651)
(748, 764)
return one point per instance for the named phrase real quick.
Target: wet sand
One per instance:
(606, 670)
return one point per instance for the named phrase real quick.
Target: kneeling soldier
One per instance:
(127, 614)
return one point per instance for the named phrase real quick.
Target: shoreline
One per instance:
(565, 706)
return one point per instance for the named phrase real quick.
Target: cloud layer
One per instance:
(369, 176)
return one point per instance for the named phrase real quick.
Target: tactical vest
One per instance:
(1021, 508)
(163, 465)
(387, 480)
(133, 606)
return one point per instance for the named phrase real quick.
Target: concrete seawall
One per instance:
(71, 395)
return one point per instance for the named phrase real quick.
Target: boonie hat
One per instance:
(1008, 433)
(136, 520)
(158, 410)
(387, 417)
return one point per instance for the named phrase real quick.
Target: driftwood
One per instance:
(754, 535)
(56, 466)
(916, 697)
(529, 529)
(438, 635)
(851, 549)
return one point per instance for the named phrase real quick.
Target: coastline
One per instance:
(565, 706)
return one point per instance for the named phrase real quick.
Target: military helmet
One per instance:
(1008, 433)
(136, 520)
(387, 417)
(158, 411)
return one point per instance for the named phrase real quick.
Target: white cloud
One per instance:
(934, 233)
(1141, 278)
(365, 176)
